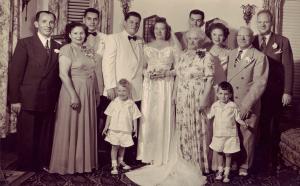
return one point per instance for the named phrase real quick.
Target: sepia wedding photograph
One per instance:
(150, 92)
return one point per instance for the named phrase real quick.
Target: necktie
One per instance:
(132, 38)
(92, 33)
(263, 45)
(47, 47)
(238, 58)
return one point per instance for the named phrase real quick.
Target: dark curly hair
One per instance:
(168, 28)
(220, 26)
(133, 14)
(71, 26)
(224, 85)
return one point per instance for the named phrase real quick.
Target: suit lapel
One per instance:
(248, 59)
(256, 42)
(271, 41)
(232, 67)
(242, 65)
(52, 58)
(39, 51)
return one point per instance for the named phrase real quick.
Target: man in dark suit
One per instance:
(278, 92)
(34, 85)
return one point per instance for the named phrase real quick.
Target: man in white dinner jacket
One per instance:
(123, 58)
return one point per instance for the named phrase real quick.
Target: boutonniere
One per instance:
(275, 46)
(56, 50)
(201, 53)
(89, 52)
(278, 51)
(248, 59)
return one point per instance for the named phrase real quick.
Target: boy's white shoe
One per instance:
(243, 173)
(114, 170)
(226, 175)
(124, 165)
(226, 179)
(219, 175)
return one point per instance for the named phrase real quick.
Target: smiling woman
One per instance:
(75, 126)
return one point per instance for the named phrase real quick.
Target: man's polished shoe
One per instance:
(46, 169)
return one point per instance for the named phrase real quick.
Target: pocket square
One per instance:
(56, 50)
(278, 51)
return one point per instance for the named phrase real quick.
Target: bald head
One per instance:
(244, 37)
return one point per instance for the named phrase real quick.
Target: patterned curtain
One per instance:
(60, 9)
(9, 32)
(275, 6)
(106, 18)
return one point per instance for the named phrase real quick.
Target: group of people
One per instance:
(181, 95)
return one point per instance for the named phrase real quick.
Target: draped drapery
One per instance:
(9, 32)
(106, 10)
(275, 6)
(60, 9)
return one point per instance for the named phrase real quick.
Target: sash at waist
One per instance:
(83, 75)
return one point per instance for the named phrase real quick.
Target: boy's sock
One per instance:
(226, 175)
(220, 169)
(219, 173)
(226, 170)
(120, 159)
(114, 163)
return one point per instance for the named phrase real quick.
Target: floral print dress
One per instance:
(191, 73)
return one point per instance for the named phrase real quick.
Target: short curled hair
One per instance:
(168, 28)
(38, 14)
(224, 85)
(71, 26)
(92, 10)
(220, 26)
(198, 31)
(126, 84)
(199, 12)
(134, 14)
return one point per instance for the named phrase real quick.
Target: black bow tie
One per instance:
(92, 33)
(132, 37)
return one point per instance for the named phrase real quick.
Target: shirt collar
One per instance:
(244, 51)
(266, 36)
(121, 101)
(229, 104)
(44, 39)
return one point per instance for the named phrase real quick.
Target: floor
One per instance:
(102, 177)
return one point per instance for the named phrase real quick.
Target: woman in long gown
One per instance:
(218, 33)
(194, 81)
(74, 145)
(157, 108)
(175, 171)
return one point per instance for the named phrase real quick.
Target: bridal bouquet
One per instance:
(157, 73)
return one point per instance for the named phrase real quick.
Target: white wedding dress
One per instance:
(158, 111)
(176, 172)
(158, 140)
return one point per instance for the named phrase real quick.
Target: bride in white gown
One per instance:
(158, 140)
